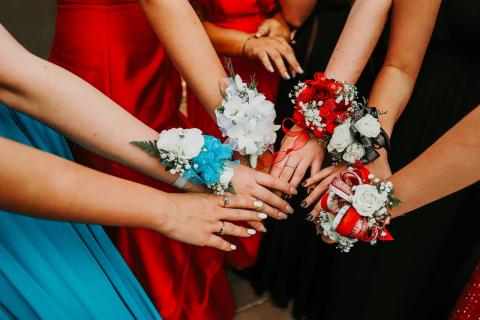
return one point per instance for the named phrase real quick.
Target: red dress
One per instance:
(110, 44)
(246, 16)
(468, 305)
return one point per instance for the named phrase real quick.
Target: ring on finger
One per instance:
(290, 166)
(226, 200)
(222, 229)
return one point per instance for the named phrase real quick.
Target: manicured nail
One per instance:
(284, 196)
(289, 209)
(304, 204)
(233, 247)
(271, 70)
(294, 74)
(286, 75)
(251, 232)
(293, 190)
(300, 70)
(262, 215)
(257, 204)
(263, 229)
(309, 217)
(304, 183)
(282, 216)
(309, 190)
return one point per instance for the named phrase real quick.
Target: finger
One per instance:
(219, 243)
(257, 226)
(241, 215)
(262, 31)
(299, 173)
(277, 168)
(275, 201)
(289, 168)
(327, 240)
(313, 215)
(315, 167)
(239, 201)
(318, 177)
(317, 192)
(277, 59)
(270, 181)
(231, 229)
(289, 55)
(263, 56)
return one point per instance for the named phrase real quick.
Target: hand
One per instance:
(247, 181)
(274, 27)
(276, 49)
(296, 163)
(318, 184)
(198, 218)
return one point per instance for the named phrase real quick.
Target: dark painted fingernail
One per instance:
(309, 217)
(285, 196)
(303, 204)
(304, 183)
(309, 190)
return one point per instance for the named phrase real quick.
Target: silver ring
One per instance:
(222, 229)
(293, 167)
(226, 200)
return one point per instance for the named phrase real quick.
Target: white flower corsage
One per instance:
(200, 159)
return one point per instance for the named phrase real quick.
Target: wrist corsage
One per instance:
(332, 112)
(356, 208)
(246, 118)
(200, 159)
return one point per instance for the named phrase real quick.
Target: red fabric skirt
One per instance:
(110, 44)
(468, 305)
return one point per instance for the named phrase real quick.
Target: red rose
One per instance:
(306, 95)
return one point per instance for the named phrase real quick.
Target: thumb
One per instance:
(262, 31)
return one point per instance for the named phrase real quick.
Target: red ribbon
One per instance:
(348, 222)
(302, 135)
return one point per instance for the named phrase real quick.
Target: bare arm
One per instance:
(449, 165)
(74, 193)
(359, 37)
(296, 12)
(181, 36)
(412, 26)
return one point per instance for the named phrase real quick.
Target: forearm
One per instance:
(180, 37)
(359, 37)
(74, 193)
(227, 42)
(296, 12)
(449, 165)
(73, 107)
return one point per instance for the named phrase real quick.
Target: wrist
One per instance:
(243, 49)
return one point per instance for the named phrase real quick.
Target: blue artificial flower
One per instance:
(208, 166)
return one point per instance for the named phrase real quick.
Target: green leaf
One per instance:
(252, 85)
(229, 67)
(149, 147)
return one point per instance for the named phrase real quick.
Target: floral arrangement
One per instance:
(200, 159)
(356, 208)
(331, 111)
(246, 118)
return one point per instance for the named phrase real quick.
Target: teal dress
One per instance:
(60, 270)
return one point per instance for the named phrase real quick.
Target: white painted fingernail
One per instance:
(251, 232)
(233, 247)
(263, 229)
(282, 216)
(271, 70)
(257, 204)
(262, 215)
(286, 75)
(299, 69)
(289, 209)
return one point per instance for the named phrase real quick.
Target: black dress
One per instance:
(420, 274)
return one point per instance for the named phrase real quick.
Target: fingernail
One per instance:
(282, 216)
(309, 217)
(303, 204)
(299, 69)
(233, 247)
(251, 232)
(262, 215)
(289, 209)
(304, 183)
(309, 190)
(286, 75)
(271, 70)
(257, 204)
(284, 196)
(257, 35)
(263, 229)
(294, 74)
(293, 191)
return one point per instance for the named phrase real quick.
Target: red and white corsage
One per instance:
(356, 208)
(332, 112)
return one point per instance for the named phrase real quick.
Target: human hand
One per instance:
(201, 219)
(247, 181)
(276, 26)
(294, 166)
(276, 50)
(318, 184)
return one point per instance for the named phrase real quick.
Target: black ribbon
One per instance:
(370, 144)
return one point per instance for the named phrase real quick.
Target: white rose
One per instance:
(354, 152)
(366, 200)
(169, 140)
(341, 138)
(368, 126)
(226, 176)
(191, 143)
